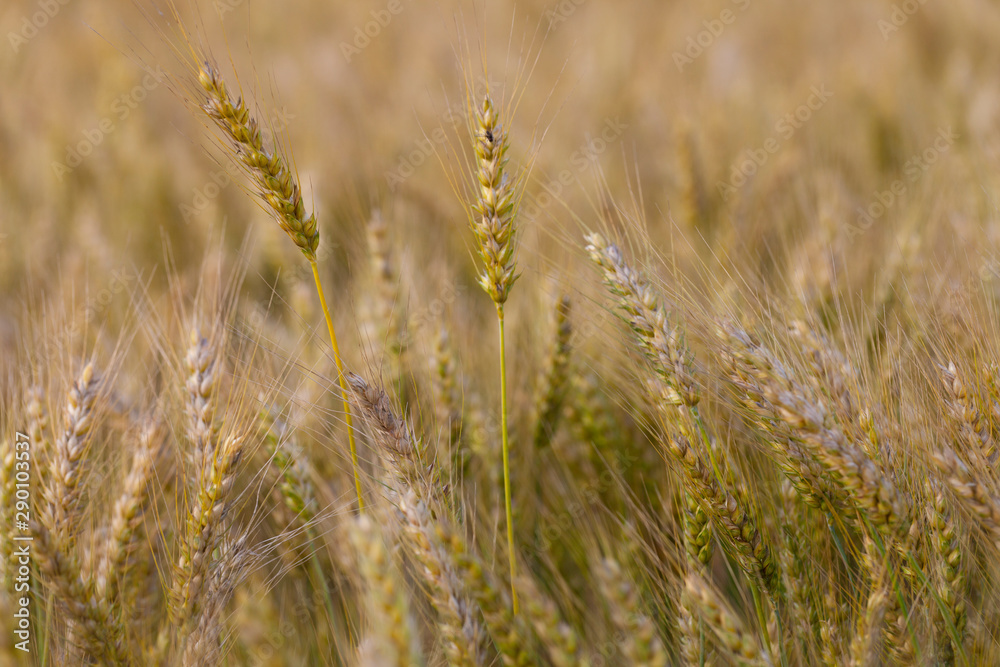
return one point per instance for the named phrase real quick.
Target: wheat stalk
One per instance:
(279, 188)
(493, 213)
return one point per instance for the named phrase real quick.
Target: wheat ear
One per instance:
(7, 504)
(971, 494)
(429, 535)
(964, 413)
(663, 344)
(739, 529)
(952, 587)
(639, 641)
(865, 646)
(552, 388)
(560, 639)
(392, 625)
(124, 530)
(447, 401)
(94, 632)
(458, 623)
(205, 530)
(296, 487)
(406, 457)
(385, 321)
(279, 188)
(405, 454)
(39, 430)
(92, 627)
(204, 644)
(64, 491)
(873, 492)
(493, 226)
(673, 368)
(201, 385)
(723, 622)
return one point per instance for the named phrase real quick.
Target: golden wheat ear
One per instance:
(706, 601)
(278, 187)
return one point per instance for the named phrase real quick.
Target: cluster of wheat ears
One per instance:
(754, 484)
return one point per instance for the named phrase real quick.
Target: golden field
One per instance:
(523, 333)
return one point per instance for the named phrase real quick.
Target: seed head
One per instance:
(493, 210)
(274, 181)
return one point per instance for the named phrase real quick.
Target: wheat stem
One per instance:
(342, 381)
(506, 458)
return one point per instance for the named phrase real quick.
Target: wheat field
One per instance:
(529, 332)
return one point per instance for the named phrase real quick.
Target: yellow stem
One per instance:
(343, 384)
(506, 458)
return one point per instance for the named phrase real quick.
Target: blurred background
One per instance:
(661, 105)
